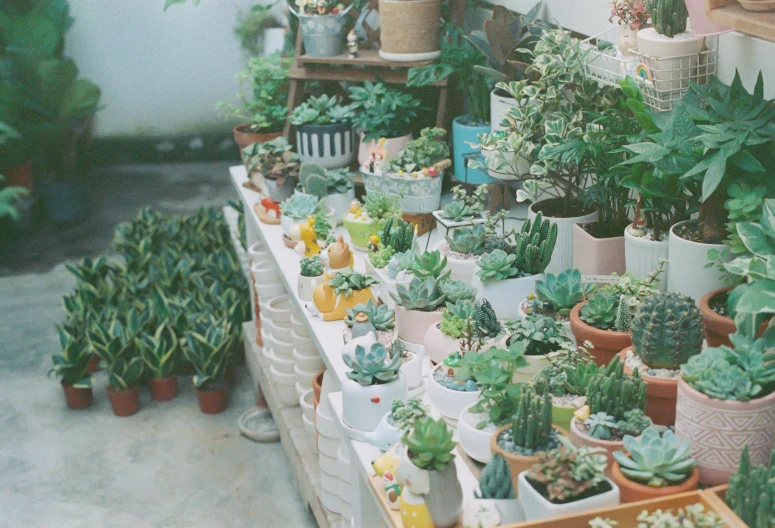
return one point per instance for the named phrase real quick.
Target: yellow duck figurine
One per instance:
(306, 233)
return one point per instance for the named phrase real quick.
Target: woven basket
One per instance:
(414, 196)
(411, 28)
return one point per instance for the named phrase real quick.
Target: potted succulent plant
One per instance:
(345, 290)
(462, 249)
(397, 236)
(409, 30)
(272, 168)
(373, 383)
(556, 295)
(322, 26)
(124, 375)
(381, 321)
(418, 306)
(297, 209)
(397, 423)
(464, 208)
(71, 366)
(442, 338)
(751, 494)
(735, 389)
(666, 332)
(431, 494)
(362, 222)
(504, 276)
(566, 481)
(539, 337)
(324, 132)
(333, 187)
(310, 276)
(615, 403)
(160, 352)
(210, 348)
(494, 503)
(654, 465)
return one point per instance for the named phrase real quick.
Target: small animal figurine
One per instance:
(352, 44)
(373, 243)
(333, 307)
(392, 490)
(339, 255)
(387, 461)
(362, 326)
(392, 268)
(377, 165)
(416, 485)
(321, 5)
(268, 211)
(306, 234)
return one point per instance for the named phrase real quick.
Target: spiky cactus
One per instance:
(613, 392)
(668, 16)
(532, 423)
(667, 330)
(535, 244)
(397, 234)
(751, 493)
(372, 366)
(495, 480)
(313, 179)
(623, 319)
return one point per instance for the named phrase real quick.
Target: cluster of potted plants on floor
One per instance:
(171, 303)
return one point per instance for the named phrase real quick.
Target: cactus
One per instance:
(667, 330)
(372, 367)
(398, 235)
(751, 493)
(668, 16)
(312, 177)
(623, 315)
(613, 392)
(495, 480)
(535, 244)
(430, 444)
(532, 423)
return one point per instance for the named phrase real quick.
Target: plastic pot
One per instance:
(462, 134)
(163, 389)
(213, 401)
(78, 397)
(124, 402)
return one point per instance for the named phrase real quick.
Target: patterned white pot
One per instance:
(641, 257)
(562, 258)
(687, 273)
(332, 146)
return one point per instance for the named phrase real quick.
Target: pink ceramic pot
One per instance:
(718, 430)
(597, 256)
(439, 345)
(412, 324)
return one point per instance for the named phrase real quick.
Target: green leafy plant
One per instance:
(564, 475)
(160, 352)
(456, 317)
(300, 206)
(421, 295)
(404, 414)
(535, 245)
(322, 110)
(655, 459)
(125, 373)
(430, 264)
(613, 392)
(271, 159)
(564, 291)
(455, 290)
(751, 494)
(383, 112)
(600, 425)
(70, 364)
(467, 240)
(633, 423)
(668, 16)
(495, 480)
(345, 282)
(381, 207)
(311, 266)
(380, 315)
(693, 515)
(531, 425)
(465, 206)
(538, 334)
(210, 348)
(252, 23)
(427, 150)
(430, 444)
(316, 179)
(372, 366)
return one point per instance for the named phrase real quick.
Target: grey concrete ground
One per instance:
(168, 465)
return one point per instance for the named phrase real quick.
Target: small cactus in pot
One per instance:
(668, 16)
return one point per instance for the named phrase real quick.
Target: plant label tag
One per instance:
(601, 279)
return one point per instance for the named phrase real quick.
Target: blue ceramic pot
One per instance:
(461, 134)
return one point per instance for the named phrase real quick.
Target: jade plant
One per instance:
(467, 240)
(345, 282)
(311, 266)
(751, 493)
(430, 445)
(404, 414)
(668, 16)
(565, 474)
(300, 206)
(319, 181)
(495, 480)
(465, 206)
(323, 110)
(538, 334)
(373, 366)
(563, 291)
(667, 330)
(421, 153)
(421, 295)
(380, 315)
(655, 459)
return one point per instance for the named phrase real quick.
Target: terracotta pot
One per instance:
(94, 364)
(718, 327)
(580, 439)
(630, 491)
(517, 463)
(76, 397)
(124, 402)
(163, 389)
(317, 384)
(213, 401)
(718, 430)
(607, 343)
(244, 138)
(413, 324)
(597, 256)
(660, 395)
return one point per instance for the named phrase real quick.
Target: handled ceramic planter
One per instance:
(537, 507)
(364, 406)
(330, 145)
(502, 293)
(562, 257)
(462, 134)
(597, 256)
(687, 273)
(606, 343)
(642, 256)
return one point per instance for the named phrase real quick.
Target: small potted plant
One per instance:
(210, 348)
(431, 494)
(666, 332)
(539, 337)
(364, 221)
(694, 515)
(397, 236)
(372, 384)
(297, 209)
(310, 277)
(630, 15)
(333, 187)
(654, 465)
(160, 352)
(566, 481)
(464, 208)
(418, 306)
(751, 494)
(322, 26)
(494, 503)
(442, 338)
(462, 249)
(124, 375)
(380, 317)
(272, 168)
(398, 422)
(345, 290)
(71, 365)
(316, 118)
(399, 41)
(505, 276)
(734, 387)
(615, 403)
(556, 295)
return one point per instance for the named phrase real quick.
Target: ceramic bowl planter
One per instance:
(243, 137)
(409, 31)
(537, 507)
(439, 345)
(330, 145)
(534, 365)
(411, 369)
(359, 232)
(607, 343)
(412, 324)
(124, 402)
(517, 463)
(502, 294)
(597, 256)
(642, 256)
(307, 285)
(77, 397)
(462, 134)
(363, 406)
(687, 273)
(460, 268)
(163, 389)
(718, 430)
(660, 395)
(214, 400)
(450, 403)
(475, 442)
(562, 257)
(580, 439)
(631, 491)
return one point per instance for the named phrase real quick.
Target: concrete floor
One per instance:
(167, 466)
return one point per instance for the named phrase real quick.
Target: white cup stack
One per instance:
(275, 323)
(345, 486)
(329, 440)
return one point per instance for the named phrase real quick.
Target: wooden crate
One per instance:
(424, 221)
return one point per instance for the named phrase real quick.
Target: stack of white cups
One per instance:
(276, 319)
(232, 220)
(345, 486)
(259, 258)
(329, 439)
(307, 365)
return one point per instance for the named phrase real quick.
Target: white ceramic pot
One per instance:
(628, 40)
(460, 269)
(298, 325)
(388, 149)
(300, 390)
(283, 349)
(303, 344)
(476, 443)
(597, 256)
(412, 369)
(267, 293)
(364, 406)
(325, 425)
(502, 294)
(522, 315)
(264, 273)
(448, 402)
(499, 107)
(413, 324)
(281, 364)
(562, 258)
(365, 341)
(642, 256)
(304, 377)
(384, 435)
(536, 507)
(280, 331)
(329, 463)
(489, 513)
(439, 345)
(687, 273)
(307, 285)
(286, 222)
(515, 168)
(279, 309)
(328, 386)
(534, 365)
(309, 425)
(308, 363)
(340, 203)
(307, 408)
(285, 387)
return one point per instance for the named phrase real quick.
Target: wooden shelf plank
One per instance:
(367, 57)
(731, 14)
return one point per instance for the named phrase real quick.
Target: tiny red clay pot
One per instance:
(317, 386)
(244, 137)
(717, 327)
(607, 343)
(163, 389)
(94, 364)
(630, 491)
(661, 395)
(213, 401)
(76, 397)
(124, 402)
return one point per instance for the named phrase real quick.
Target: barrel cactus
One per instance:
(667, 330)
(668, 16)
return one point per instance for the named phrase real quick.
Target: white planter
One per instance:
(302, 342)
(279, 309)
(448, 402)
(522, 315)
(307, 285)
(502, 294)
(475, 443)
(264, 273)
(534, 365)
(489, 513)
(309, 363)
(514, 170)
(365, 341)
(274, 41)
(536, 507)
(413, 324)
(281, 364)
(307, 408)
(687, 273)
(412, 369)
(642, 257)
(438, 345)
(384, 436)
(304, 377)
(340, 203)
(363, 407)
(460, 269)
(562, 258)
(499, 106)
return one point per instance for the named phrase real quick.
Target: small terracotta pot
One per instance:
(77, 398)
(213, 401)
(607, 343)
(517, 463)
(163, 389)
(94, 364)
(581, 439)
(244, 138)
(630, 491)
(124, 402)
(660, 395)
(317, 385)
(718, 327)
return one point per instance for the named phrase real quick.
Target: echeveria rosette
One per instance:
(564, 291)
(655, 459)
(497, 265)
(430, 444)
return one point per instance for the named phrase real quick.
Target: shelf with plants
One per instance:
(732, 14)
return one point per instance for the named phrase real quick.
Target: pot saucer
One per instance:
(412, 393)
